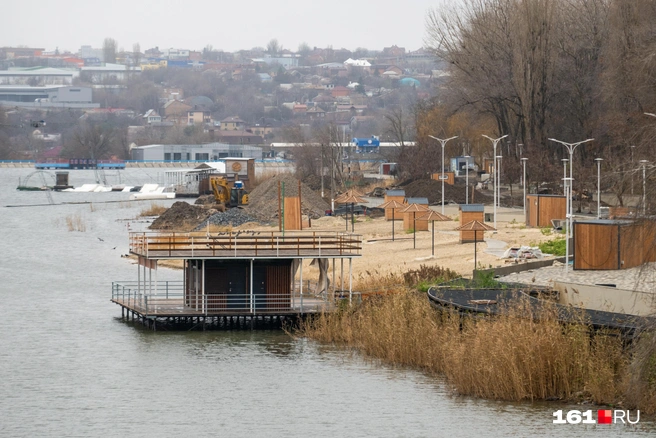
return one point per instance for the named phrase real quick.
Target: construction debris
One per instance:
(263, 202)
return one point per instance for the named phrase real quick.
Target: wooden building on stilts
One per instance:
(245, 278)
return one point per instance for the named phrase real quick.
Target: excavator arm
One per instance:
(220, 189)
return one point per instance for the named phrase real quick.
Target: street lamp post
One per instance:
(467, 179)
(599, 160)
(644, 186)
(524, 184)
(632, 148)
(495, 141)
(564, 160)
(570, 148)
(443, 142)
(499, 157)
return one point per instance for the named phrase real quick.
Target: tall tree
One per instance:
(274, 47)
(110, 47)
(136, 54)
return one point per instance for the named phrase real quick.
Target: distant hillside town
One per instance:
(253, 97)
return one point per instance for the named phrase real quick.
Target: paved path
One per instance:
(495, 247)
(640, 278)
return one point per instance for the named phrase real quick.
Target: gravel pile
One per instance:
(432, 189)
(263, 201)
(181, 216)
(232, 217)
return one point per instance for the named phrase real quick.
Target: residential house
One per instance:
(151, 117)
(265, 127)
(233, 124)
(299, 109)
(380, 69)
(198, 116)
(340, 91)
(393, 52)
(176, 111)
(172, 93)
(315, 113)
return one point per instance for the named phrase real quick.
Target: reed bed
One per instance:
(75, 222)
(522, 354)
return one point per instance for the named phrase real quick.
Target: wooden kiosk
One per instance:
(613, 244)
(468, 213)
(398, 196)
(541, 209)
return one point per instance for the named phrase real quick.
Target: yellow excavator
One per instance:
(228, 196)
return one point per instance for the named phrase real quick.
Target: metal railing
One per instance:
(170, 299)
(245, 244)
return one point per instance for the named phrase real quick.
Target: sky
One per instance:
(225, 25)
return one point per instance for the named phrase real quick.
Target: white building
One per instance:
(46, 97)
(194, 152)
(38, 76)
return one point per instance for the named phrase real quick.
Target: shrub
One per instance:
(555, 247)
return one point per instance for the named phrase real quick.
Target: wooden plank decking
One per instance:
(249, 244)
(175, 307)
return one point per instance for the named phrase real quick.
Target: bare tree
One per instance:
(274, 47)
(90, 140)
(110, 47)
(136, 54)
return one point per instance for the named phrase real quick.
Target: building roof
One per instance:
(215, 145)
(472, 207)
(420, 201)
(39, 71)
(199, 101)
(233, 119)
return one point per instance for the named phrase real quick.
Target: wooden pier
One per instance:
(254, 278)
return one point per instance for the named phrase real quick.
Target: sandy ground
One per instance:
(383, 255)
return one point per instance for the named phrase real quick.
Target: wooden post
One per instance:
(279, 210)
(300, 203)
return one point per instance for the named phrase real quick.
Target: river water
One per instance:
(69, 366)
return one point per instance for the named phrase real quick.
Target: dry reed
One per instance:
(641, 387)
(155, 209)
(522, 354)
(75, 222)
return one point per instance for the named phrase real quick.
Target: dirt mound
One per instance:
(181, 216)
(263, 201)
(432, 189)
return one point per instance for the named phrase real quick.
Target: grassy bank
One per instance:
(511, 357)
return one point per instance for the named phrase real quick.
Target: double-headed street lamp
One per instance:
(570, 148)
(442, 177)
(495, 141)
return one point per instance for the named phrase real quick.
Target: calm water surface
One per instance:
(70, 367)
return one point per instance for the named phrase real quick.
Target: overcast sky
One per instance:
(226, 25)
